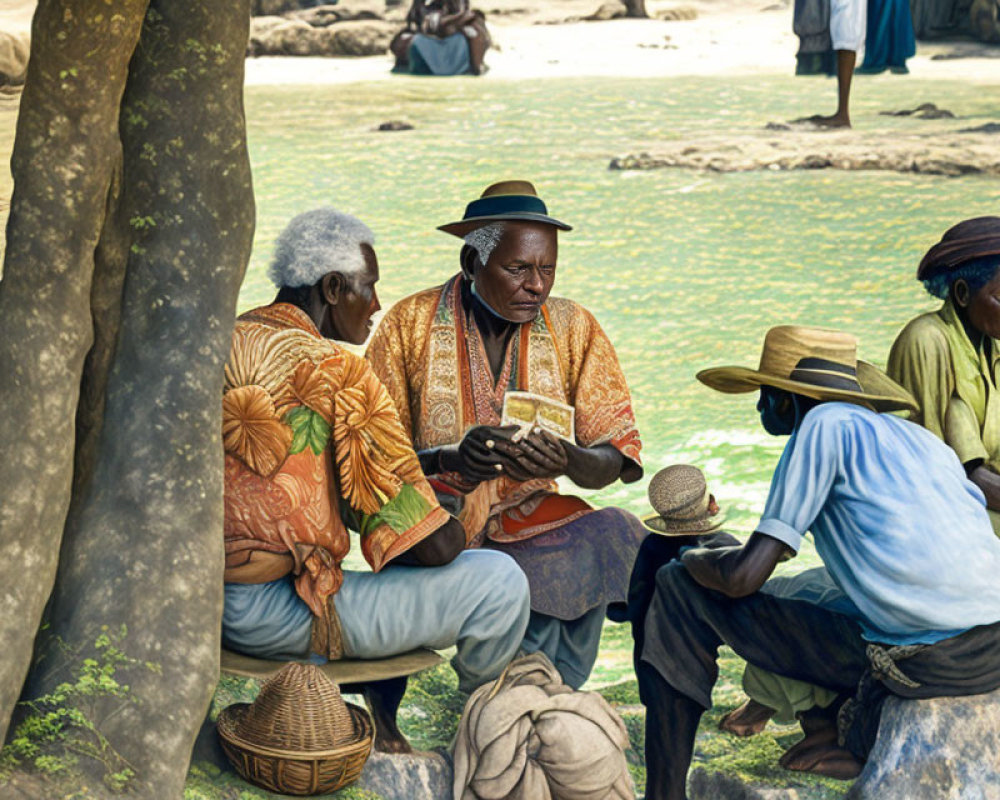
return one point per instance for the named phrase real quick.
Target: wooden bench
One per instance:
(382, 682)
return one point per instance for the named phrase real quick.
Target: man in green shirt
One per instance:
(948, 359)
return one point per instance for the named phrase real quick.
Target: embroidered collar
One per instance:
(282, 315)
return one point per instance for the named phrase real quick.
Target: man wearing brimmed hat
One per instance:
(448, 356)
(901, 530)
(949, 359)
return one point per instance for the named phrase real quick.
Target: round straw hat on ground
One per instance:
(299, 736)
(817, 363)
(683, 504)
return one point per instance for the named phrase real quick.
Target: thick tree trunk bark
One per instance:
(130, 228)
(143, 546)
(636, 8)
(64, 155)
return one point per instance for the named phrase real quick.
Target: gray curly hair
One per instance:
(317, 242)
(484, 240)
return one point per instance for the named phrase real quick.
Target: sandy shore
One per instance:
(727, 38)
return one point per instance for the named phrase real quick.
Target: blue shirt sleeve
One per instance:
(803, 478)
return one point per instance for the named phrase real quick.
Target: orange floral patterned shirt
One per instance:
(424, 351)
(313, 440)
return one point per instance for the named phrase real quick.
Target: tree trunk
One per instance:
(65, 150)
(636, 8)
(143, 539)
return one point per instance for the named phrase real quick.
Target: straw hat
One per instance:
(815, 362)
(298, 736)
(507, 200)
(683, 505)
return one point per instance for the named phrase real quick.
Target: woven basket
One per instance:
(299, 736)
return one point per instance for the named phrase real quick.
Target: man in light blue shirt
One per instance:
(901, 531)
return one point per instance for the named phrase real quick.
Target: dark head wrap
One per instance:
(967, 241)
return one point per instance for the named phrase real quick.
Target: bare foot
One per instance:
(747, 720)
(832, 121)
(818, 753)
(392, 741)
(828, 760)
(388, 737)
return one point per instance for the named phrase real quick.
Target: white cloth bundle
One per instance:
(528, 736)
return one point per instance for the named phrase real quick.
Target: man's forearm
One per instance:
(440, 548)
(430, 461)
(736, 571)
(593, 467)
(989, 482)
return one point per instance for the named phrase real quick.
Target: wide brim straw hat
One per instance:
(503, 201)
(679, 494)
(817, 363)
(298, 736)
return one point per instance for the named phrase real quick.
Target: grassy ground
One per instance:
(432, 707)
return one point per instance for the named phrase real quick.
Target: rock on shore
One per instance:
(14, 49)
(349, 28)
(951, 154)
(281, 36)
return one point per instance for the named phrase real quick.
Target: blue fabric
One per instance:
(478, 603)
(429, 55)
(902, 531)
(812, 586)
(505, 204)
(889, 40)
(571, 645)
(266, 620)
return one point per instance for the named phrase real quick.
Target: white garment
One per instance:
(848, 21)
(528, 736)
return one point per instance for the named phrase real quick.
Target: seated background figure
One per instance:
(901, 530)
(314, 446)
(441, 37)
(948, 359)
(449, 354)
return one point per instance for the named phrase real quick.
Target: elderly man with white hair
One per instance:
(314, 446)
(448, 357)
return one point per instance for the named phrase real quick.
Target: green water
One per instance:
(683, 269)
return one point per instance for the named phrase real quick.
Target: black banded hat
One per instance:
(507, 200)
(815, 362)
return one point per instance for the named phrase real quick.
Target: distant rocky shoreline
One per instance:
(950, 153)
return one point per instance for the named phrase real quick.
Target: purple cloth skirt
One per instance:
(580, 566)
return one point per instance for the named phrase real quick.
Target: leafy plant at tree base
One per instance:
(57, 729)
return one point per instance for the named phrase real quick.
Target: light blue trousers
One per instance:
(479, 603)
(571, 645)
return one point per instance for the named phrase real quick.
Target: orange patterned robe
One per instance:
(312, 438)
(428, 355)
